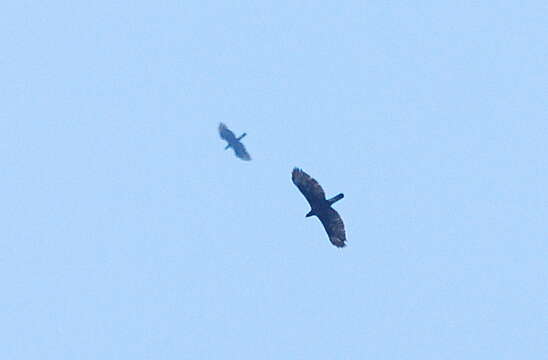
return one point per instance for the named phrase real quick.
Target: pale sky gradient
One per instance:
(129, 233)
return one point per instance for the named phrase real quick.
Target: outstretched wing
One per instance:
(226, 134)
(334, 226)
(308, 186)
(240, 151)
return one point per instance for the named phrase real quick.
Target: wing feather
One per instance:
(334, 226)
(226, 134)
(308, 186)
(240, 151)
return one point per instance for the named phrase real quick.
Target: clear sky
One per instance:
(127, 232)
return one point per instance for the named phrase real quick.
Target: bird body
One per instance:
(234, 142)
(320, 206)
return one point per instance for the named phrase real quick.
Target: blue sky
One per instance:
(128, 233)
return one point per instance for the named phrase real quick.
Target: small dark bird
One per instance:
(234, 142)
(320, 206)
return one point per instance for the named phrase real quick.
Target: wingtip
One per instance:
(245, 157)
(337, 241)
(295, 173)
(339, 245)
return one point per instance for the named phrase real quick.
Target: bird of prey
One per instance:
(320, 206)
(234, 142)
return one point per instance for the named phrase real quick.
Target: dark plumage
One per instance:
(320, 206)
(234, 142)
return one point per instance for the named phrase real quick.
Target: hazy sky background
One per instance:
(127, 232)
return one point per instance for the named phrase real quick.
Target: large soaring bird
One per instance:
(234, 142)
(320, 206)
